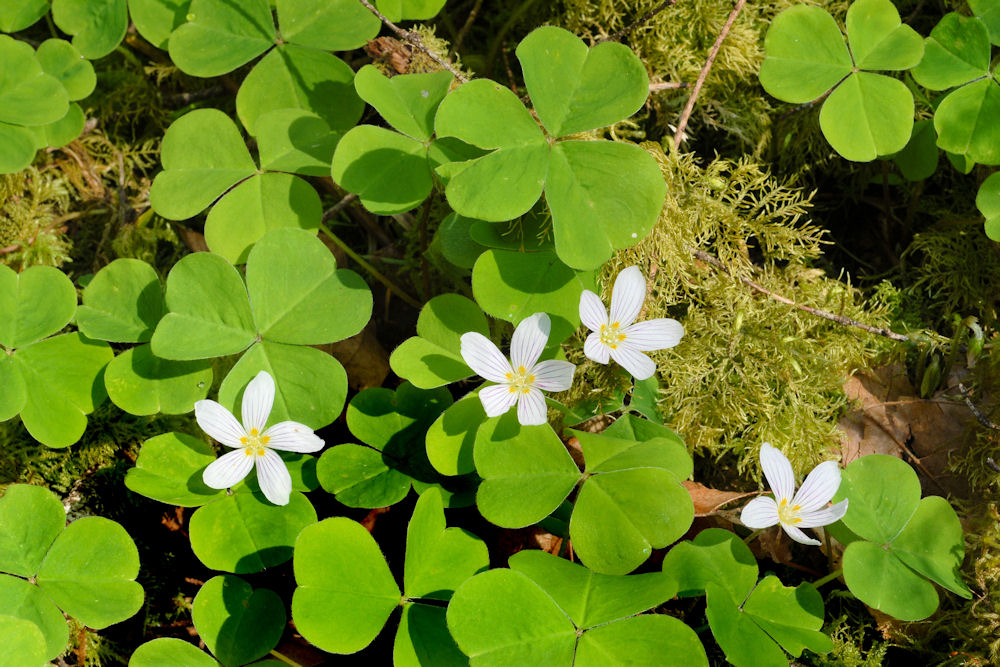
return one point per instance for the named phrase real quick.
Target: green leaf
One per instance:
(451, 438)
(805, 55)
(17, 15)
(501, 617)
(23, 544)
(919, 158)
(988, 203)
(878, 511)
(299, 295)
(311, 385)
(526, 472)
(97, 26)
(867, 115)
(456, 242)
(526, 234)
(157, 19)
(715, 556)
(25, 601)
(588, 598)
(243, 533)
(327, 25)
(19, 148)
(294, 77)
(13, 394)
(932, 544)
(423, 639)
(793, 617)
(408, 102)
(514, 285)
(957, 51)
(60, 59)
(21, 642)
(361, 477)
(743, 641)
(203, 156)
(63, 381)
(643, 640)
(141, 383)
(988, 11)
(604, 196)
(880, 579)
(90, 573)
(409, 10)
(170, 652)
(36, 303)
(432, 358)
(28, 96)
(256, 206)
(345, 591)
(386, 169)
(219, 36)
(878, 39)
(169, 469)
(575, 89)
(123, 303)
(296, 141)
(209, 311)
(963, 122)
(62, 131)
(236, 622)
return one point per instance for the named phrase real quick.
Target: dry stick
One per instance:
(465, 28)
(414, 38)
(976, 412)
(686, 114)
(639, 21)
(667, 85)
(839, 319)
(339, 206)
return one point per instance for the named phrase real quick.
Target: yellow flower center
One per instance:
(520, 381)
(611, 335)
(788, 514)
(254, 444)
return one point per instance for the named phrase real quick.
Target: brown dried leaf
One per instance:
(363, 357)
(707, 500)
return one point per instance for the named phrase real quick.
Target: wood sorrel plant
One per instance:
(539, 201)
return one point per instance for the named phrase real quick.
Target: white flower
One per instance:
(518, 380)
(616, 336)
(252, 444)
(806, 509)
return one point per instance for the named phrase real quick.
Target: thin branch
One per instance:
(465, 27)
(329, 213)
(668, 85)
(686, 114)
(391, 286)
(414, 38)
(976, 412)
(839, 319)
(645, 18)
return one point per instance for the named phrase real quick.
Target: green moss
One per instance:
(850, 637)
(34, 206)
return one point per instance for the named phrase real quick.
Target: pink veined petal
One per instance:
(497, 399)
(273, 477)
(531, 408)
(819, 487)
(596, 350)
(799, 536)
(293, 437)
(218, 423)
(482, 356)
(653, 335)
(258, 398)
(592, 311)
(824, 516)
(529, 340)
(553, 375)
(759, 513)
(635, 362)
(778, 471)
(627, 296)
(228, 470)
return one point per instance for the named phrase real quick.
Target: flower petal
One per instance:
(218, 423)
(635, 362)
(531, 408)
(293, 437)
(596, 350)
(592, 311)
(658, 334)
(554, 375)
(258, 398)
(799, 536)
(627, 296)
(228, 470)
(497, 399)
(529, 340)
(824, 516)
(482, 356)
(778, 471)
(759, 513)
(273, 477)
(819, 487)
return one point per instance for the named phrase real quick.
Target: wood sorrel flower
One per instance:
(252, 444)
(616, 336)
(806, 509)
(518, 380)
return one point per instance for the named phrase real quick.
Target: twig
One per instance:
(686, 114)
(465, 27)
(839, 319)
(640, 21)
(369, 268)
(668, 85)
(414, 38)
(976, 412)
(339, 206)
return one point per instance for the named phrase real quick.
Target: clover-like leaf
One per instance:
(169, 469)
(963, 122)
(878, 38)
(122, 303)
(25, 601)
(21, 642)
(157, 19)
(36, 303)
(989, 13)
(17, 15)
(432, 358)
(956, 52)
(168, 651)
(408, 102)
(387, 170)
(455, 241)
(59, 133)
(296, 141)
(219, 36)
(141, 383)
(423, 639)
(867, 115)
(327, 25)
(409, 10)
(451, 438)
(236, 622)
(988, 203)
(97, 26)
(919, 158)
(28, 95)
(19, 148)
(62, 60)
(23, 544)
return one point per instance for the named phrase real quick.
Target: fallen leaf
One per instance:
(707, 500)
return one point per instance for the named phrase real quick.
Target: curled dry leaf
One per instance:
(707, 500)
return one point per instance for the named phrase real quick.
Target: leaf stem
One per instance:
(414, 38)
(375, 273)
(828, 578)
(284, 658)
(752, 536)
